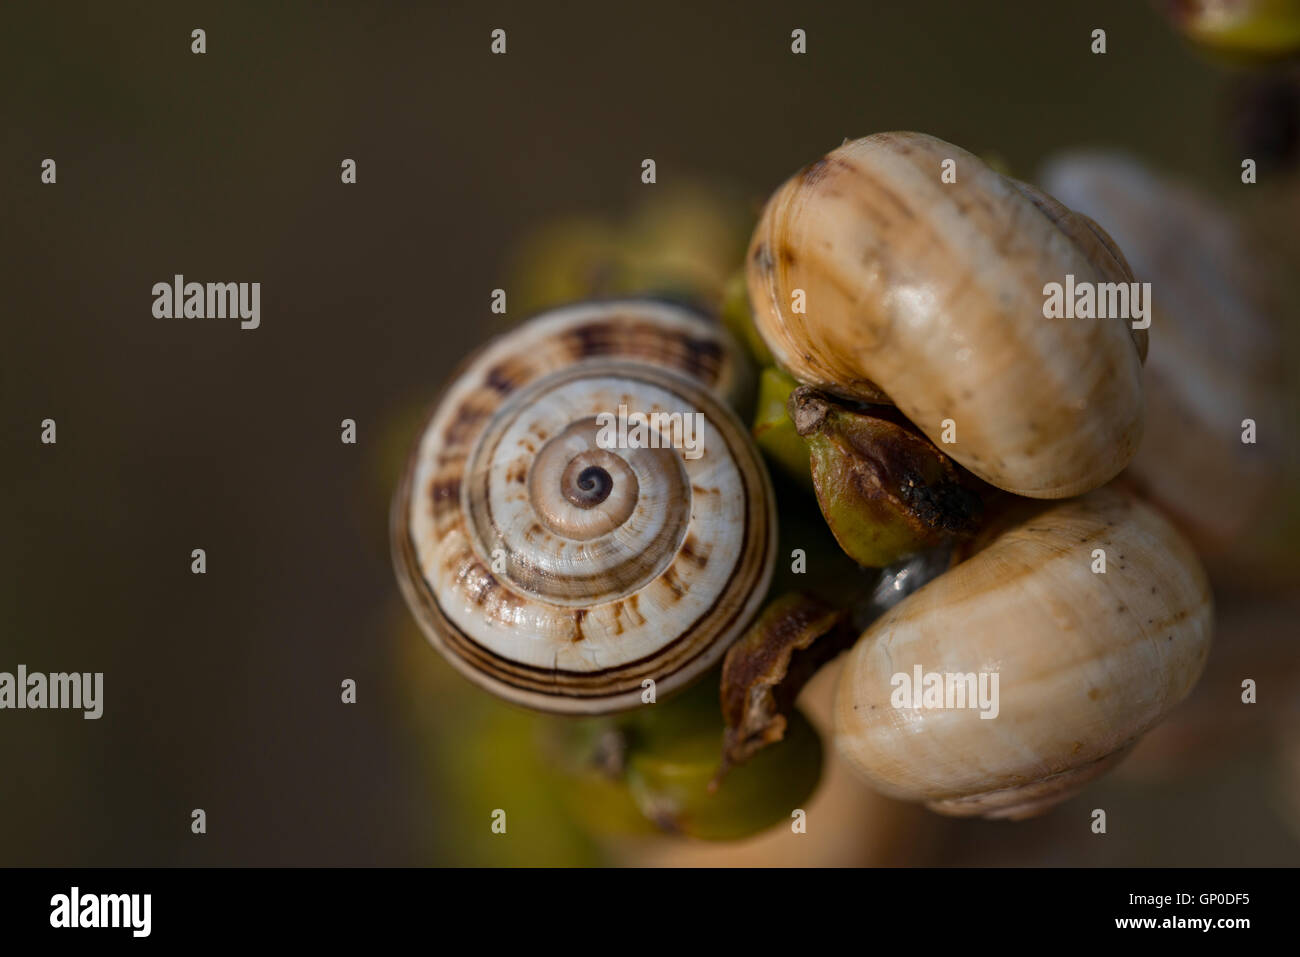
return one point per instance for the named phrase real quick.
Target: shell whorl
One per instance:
(558, 573)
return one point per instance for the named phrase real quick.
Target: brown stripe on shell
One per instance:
(814, 171)
(486, 529)
(625, 678)
(464, 425)
(630, 338)
(916, 285)
(695, 552)
(721, 616)
(702, 358)
(507, 377)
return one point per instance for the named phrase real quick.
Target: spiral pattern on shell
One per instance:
(557, 572)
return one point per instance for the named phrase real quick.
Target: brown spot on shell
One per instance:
(669, 578)
(462, 426)
(444, 489)
(695, 553)
(634, 611)
(506, 377)
(589, 339)
(631, 338)
(703, 357)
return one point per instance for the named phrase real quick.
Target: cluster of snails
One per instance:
(937, 410)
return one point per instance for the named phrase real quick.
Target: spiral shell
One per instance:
(559, 573)
(932, 293)
(1087, 661)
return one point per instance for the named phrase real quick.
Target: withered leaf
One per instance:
(885, 490)
(764, 671)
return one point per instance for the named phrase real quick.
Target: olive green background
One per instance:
(222, 691)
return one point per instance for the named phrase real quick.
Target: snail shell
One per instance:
(932, 293)
(559, 574)
(1217, 359)
(1086, 662)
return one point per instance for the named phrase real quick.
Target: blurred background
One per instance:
(474, 171)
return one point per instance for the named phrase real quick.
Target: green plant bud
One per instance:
(1239, 29)
(588, 758)
(653, 771)
(673, 765)
(774, 431)
(885, 490)
(808, 556)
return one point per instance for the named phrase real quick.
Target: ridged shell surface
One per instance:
(1086, 661)
(1218, 352)
(933, 292)
(560, 572)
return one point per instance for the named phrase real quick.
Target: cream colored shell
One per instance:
(563, 591)
(1087, 662)
(1217, 358)
(933, 292)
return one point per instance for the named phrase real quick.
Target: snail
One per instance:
(1086, 662)
(1218, 362)
(565, 574)
(873, 279)
(562, 574)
